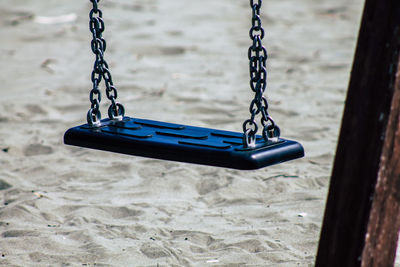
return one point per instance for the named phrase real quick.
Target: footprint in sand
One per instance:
(153, 251)
(37, 149)
(252, 246)
(172, 51)
(4, 185)
(206, 186)
(18, 233)
(35, 109)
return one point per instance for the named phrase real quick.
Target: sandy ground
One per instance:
(178, 61)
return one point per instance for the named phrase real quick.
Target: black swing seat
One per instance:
(182, 143)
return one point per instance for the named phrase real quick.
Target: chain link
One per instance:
(257, 55)
(101, 71)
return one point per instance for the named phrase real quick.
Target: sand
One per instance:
(178, 61)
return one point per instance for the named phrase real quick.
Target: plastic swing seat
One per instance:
(182, 143)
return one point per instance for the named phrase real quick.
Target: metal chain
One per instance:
(101, 71)
(257, 54)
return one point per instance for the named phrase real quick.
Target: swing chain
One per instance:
(257, 55)
(101, 71)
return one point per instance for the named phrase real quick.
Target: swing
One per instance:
(169, 141)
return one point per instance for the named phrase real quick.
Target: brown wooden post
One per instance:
(366, 167)
(384, 223)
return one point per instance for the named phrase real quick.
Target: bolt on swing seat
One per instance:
(169, 141)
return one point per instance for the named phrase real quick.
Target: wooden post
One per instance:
(384, 223)
(364, 194)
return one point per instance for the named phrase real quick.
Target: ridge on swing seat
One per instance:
(176, 142)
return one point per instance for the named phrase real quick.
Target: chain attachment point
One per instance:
(94, 117)
(271, 131)
(249, 140)
(116, 111)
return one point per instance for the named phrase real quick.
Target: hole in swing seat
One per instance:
(187, 134)
(127, 132)
(237, 143)
(205, 144)
(233, 135)
(228, 135)
(126, 125)
(159, 124)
